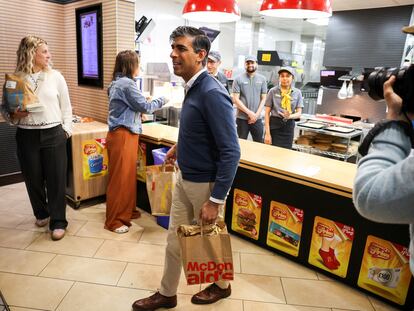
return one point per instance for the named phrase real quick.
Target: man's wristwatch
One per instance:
(378, 128)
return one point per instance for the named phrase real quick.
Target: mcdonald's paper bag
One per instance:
(206, 257)
(160, 180)
(18, 94)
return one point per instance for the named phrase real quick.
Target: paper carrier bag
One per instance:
(206, 257)
(18, 94)
(160, 180)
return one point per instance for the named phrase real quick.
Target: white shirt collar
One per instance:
(190, 82)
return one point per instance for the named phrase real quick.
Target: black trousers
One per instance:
(256, 129)
(43, 161)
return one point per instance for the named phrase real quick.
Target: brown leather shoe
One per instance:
(154, 302)
(211, 294)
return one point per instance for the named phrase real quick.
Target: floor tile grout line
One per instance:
(122, 274)
(47, 264)
(64, 296)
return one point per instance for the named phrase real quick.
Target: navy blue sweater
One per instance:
(208, 146)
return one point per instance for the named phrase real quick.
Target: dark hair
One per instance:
(125, 64)
(200, 40)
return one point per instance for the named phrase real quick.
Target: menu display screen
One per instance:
(89, 45)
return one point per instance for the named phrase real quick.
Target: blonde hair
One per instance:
(26, 52)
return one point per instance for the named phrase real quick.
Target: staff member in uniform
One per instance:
(249, 94)
(213, 64)
(283, 104)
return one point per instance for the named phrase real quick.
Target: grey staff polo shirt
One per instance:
(250, 90)
(273, 100)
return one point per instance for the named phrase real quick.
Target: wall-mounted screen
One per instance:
(89, 45)
(210, 33)
(270, 58)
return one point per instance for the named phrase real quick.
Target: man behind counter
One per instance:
(249, 94)
(213, 64)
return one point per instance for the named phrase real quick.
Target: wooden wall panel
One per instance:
(56, 24)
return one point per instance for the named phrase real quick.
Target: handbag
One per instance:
(160, 181)
(206, 253)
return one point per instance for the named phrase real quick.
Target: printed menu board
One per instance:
(285, 228)
(385, 269)
(247, 209)
(142, 162)
(94, 158)
(331, 246)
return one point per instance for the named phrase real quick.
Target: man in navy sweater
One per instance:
(208, 154)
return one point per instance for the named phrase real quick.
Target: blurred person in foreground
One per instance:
(384, 183)
(42, 133)
(207, 153)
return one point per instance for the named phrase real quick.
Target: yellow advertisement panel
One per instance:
(331, 246)
(285, 228)
(142, 162)
(94, 158)
(385, 269)
(247, 209)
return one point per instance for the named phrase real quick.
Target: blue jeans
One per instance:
(255, 129)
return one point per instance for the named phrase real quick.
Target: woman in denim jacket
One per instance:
(126, 104)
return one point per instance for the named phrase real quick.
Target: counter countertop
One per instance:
(300, 167)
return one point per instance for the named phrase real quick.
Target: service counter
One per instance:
(300, 206)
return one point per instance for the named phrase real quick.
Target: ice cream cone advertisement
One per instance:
(331, 246)
(385, 269)
(94, 158)
(142, 162)
(285, 228)
(247, 209)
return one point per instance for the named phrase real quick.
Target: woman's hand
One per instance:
(267, 139)
(18, 114)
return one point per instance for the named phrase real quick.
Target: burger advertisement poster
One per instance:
(247, 209)
(385, 269)
(285, 228)
(331, 246)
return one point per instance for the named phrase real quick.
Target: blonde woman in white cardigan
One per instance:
(41, 135)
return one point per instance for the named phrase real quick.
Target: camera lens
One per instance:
(376, 81)
(403, 85)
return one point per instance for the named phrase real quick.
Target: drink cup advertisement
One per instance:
(285, 228)
(331, 246)
(94, 158)
(247, 209)
(385, 269)
(142, 162)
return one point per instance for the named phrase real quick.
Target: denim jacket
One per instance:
(126, 103)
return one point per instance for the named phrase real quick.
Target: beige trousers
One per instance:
(188, 198)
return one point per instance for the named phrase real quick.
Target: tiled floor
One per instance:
(92, 269)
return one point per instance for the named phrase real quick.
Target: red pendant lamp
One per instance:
(212, 11)
(296, 8)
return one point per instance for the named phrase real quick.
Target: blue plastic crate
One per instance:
(163, 221)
